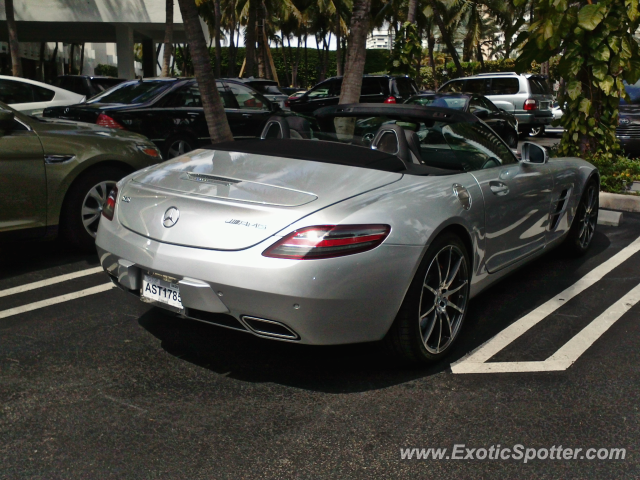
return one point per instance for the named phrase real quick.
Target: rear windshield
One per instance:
(263, 87)
(634, 94)
(539, 86)
(102, 84)
(130, 93)
(457, 103)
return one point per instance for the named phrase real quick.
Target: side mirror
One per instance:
(6, 120)
(481, 113)
(534, 153)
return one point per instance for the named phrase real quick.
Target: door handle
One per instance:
(246, 115)
(498, 188)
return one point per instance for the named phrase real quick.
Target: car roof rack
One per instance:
(495, 73)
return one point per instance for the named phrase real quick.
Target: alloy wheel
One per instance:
(589, 218)
(444, 299)
(177, 148)
(92, 206)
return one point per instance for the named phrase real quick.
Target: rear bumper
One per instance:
(530, 119)
(325, 302)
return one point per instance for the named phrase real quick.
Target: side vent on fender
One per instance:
(560, 205)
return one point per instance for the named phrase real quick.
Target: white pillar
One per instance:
(124, 51)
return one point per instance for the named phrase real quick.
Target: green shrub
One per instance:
(105, 70)
(617, 172)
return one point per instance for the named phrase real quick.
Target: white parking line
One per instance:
(60, 299)
(475, 361)
(49, 281)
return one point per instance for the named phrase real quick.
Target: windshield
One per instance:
(539, 86)
(129, 93)
(457, 103)
(455, 146)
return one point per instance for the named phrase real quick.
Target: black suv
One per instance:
(375, 89)
(85, 84)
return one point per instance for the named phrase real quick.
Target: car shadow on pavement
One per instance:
(361, 367)
(19, 258)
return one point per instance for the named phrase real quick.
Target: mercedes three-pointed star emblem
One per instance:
(171, 217)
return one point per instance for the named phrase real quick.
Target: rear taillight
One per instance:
(391, 99)
(328, 241)
(109, 207)
(107, 121)
(286, 103)
(530, 104)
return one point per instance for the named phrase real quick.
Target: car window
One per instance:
(405, 87)
(12, 92)
(454, 102)
(189, 97)
(505, 86)
(476, 146)
(41, 94)
(129, 93)
(455, 86)
(371, 86)
(102, 84)
(247, 98)
(320, 91)
(475, 85)
(539, 86)
(488, 104)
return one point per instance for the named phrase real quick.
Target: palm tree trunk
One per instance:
(82, 60)
(480, 57)
(214, 113)
(446, 36)
(306, 63)
(338, 36)
(14, 45)
(71, 51)
(356, 53)
(250, 39)
(231, 68)
(218, 14)
(411, 13)
(285, 63)
(168, 40)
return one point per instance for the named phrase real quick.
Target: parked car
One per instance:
(86, 85)
(327, 241)
(628, 130)
(268, 88)
(503, 123)
(375, 89)
(169, 111)
(55, 176)
(526, 96)
(291, 91)
(31, 97)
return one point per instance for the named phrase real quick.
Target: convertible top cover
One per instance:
(317, 151)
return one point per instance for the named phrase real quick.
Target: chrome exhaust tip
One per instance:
(269, 328)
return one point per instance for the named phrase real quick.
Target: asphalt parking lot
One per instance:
(95, 384)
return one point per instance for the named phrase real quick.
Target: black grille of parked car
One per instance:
(629, 130)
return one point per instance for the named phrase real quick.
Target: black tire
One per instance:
(177, 145)
(511, 138)
(585, 222)
(411, 338)
(88, 190)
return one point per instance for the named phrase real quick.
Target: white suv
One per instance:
(526, 96)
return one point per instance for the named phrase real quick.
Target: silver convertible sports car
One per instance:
(328, 232)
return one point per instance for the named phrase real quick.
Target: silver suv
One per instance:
(526, 96)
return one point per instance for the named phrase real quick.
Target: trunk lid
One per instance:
(231, 201)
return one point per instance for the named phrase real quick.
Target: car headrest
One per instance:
(276, 127)
(391, 139)
(413, 141)
(286, 127)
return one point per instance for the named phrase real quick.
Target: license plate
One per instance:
(544, 105)
(161, 291)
